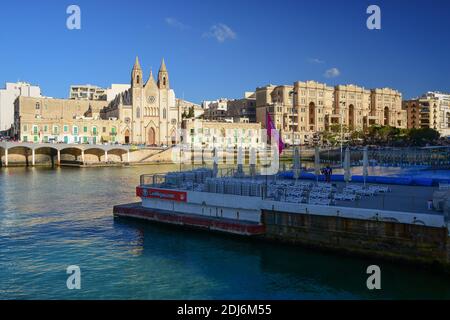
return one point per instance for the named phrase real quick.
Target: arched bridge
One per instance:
(78, 151)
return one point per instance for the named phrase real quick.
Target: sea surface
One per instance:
(54, 218)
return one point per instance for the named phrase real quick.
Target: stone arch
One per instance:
(15, 154)
(116, 154)
(46, 153)
(94, 152)
(71, 153)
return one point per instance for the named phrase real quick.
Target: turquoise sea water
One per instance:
(53, 218)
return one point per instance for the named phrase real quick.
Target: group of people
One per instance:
(327, 172)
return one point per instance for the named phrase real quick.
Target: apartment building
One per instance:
(306, 109)
(87, 92)
(7, 98)
(431, 110)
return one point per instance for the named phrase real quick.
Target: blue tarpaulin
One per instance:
(407, 180)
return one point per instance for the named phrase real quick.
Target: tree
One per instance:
(422, 136)
(189, 114)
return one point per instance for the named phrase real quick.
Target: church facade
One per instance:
(148, 111)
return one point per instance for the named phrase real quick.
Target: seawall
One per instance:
(381, 239)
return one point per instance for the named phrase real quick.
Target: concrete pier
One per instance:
(417, 244)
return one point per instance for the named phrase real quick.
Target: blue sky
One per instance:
(222, 48)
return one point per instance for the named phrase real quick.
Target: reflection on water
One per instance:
(53, 218)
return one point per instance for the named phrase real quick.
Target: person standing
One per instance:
(328, 174)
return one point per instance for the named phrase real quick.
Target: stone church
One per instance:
(148, 111)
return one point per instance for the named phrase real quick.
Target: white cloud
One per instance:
(220, 32)
(332, 73)
(315, 60)
(172, 22)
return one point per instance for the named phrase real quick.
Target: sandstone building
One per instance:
(431, 110)
(63, 120)
(145, 113)
(148, 110)
(309, 108)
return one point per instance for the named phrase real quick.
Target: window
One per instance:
(138, 113)
(113, 130)
(25, 128)
(55, 130)
(35, 129)
(38, 106)
(94, 131)
(164, 113)
(25, 139)
(66, 128)
(85, 129)
(104, 129)
(75, 130)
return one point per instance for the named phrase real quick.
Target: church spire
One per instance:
(163, 66)
(137, 65)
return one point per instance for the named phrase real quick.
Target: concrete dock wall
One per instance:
(390, 240)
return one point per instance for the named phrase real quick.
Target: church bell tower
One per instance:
(136, 75)
(163, 77)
